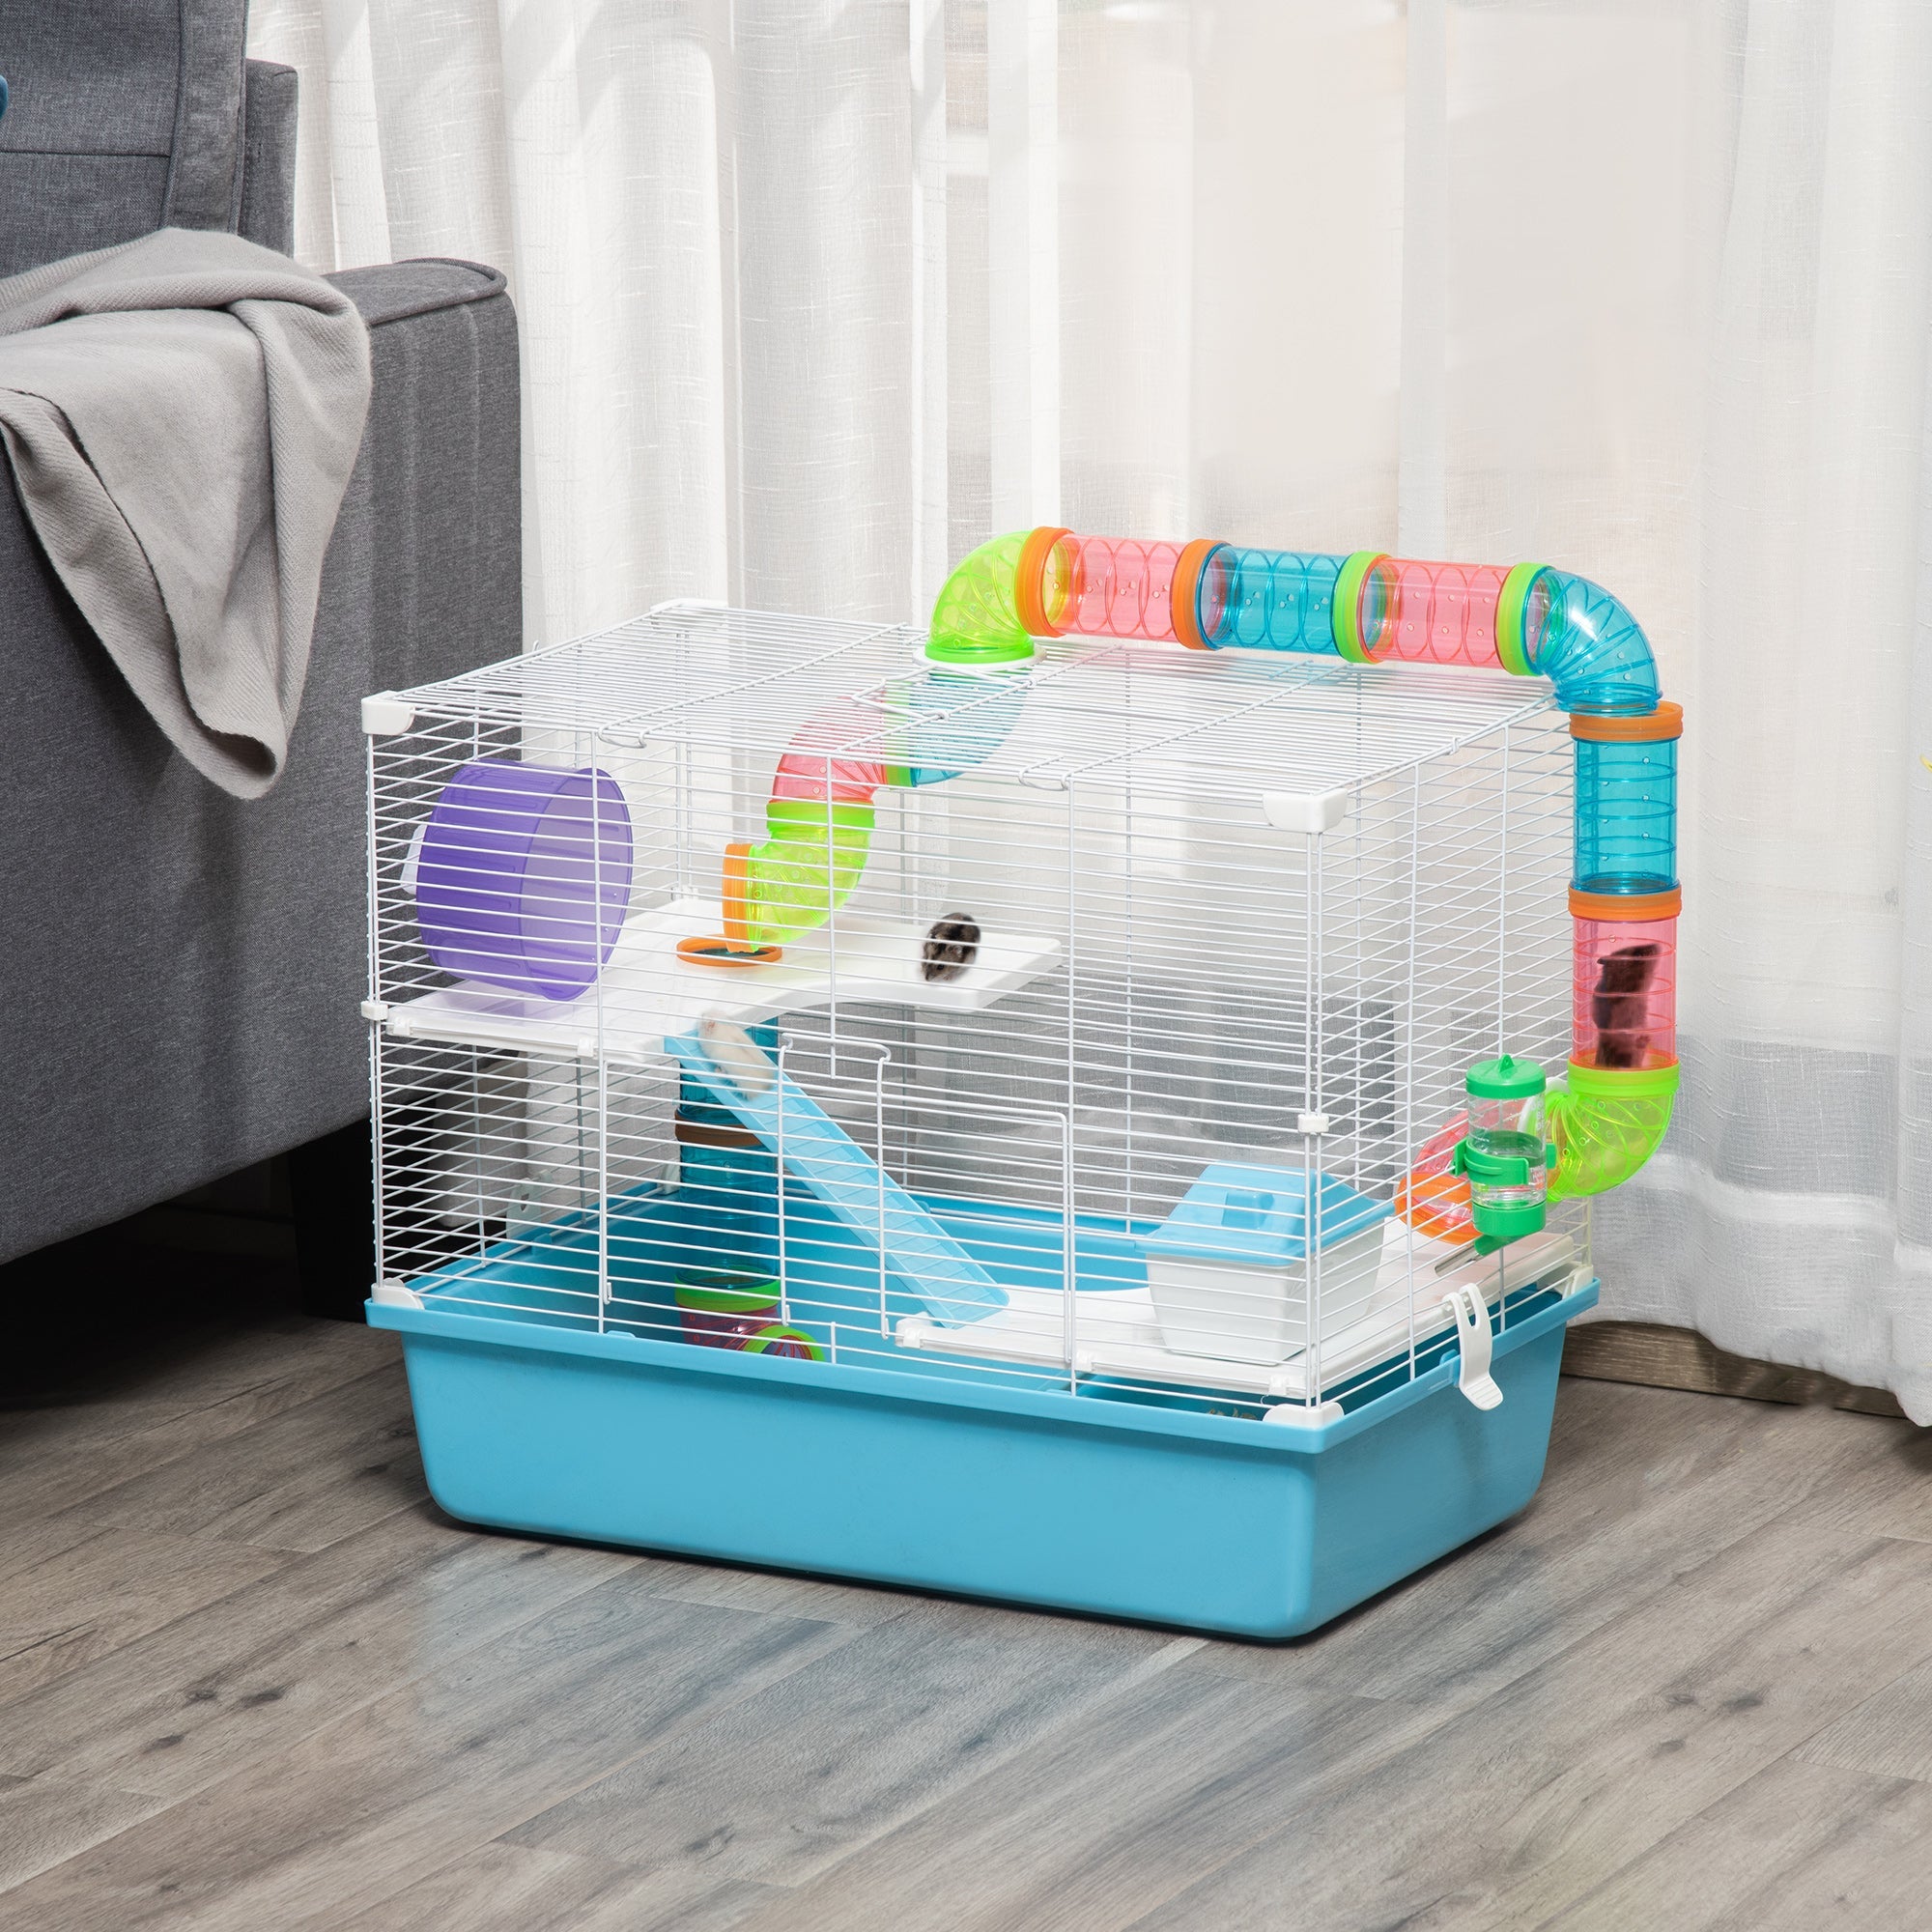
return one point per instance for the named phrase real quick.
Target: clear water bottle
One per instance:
(1503, 1152)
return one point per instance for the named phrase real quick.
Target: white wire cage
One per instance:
(1101, 1053)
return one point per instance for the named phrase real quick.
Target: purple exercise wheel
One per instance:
(523, 877)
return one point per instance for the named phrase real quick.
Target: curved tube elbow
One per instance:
(977, 617)
(1607, 1125)
(811, 860)
(1579, 635)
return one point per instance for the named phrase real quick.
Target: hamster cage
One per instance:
(1051, 1106)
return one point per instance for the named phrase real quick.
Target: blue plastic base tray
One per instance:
(1109, 1497)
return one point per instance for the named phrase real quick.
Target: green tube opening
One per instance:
(976, 618)
(1607, 1125)
(1345, 614)
(1511, 647)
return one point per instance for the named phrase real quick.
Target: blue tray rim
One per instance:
(823, 1379)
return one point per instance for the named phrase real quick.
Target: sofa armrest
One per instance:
(268, 209)
(436, 504)
(184, 969)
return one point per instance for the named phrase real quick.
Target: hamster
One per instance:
(950, 946)
(1619, 1005)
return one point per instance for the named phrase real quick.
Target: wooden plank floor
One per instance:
(250, 1678)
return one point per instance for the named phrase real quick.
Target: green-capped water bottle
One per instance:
(1503, 1153)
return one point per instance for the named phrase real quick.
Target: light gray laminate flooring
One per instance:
(251, 1678)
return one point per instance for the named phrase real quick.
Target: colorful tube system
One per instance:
(1366, 607)
(818, 825)
(1369, 608)
(1624, 899)
(927, 728)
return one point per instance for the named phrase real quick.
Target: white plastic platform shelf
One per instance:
(646, 992)
(1117, 1331)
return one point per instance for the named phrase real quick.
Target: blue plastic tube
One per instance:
(1580, 637)
(732, 1191)
(1269, 600)
(1625, 827)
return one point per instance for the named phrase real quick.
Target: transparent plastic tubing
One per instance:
(1625, 828)
(923, 730)
(1369, 608)
(1366, 607)
(1624, 1010)
(1416, 612)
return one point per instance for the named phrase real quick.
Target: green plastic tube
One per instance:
(819, 821)
(812, 858)
(976, 618)
(1606, 1123)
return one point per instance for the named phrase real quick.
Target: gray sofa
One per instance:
(182, 970)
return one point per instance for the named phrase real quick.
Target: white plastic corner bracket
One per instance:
(393, 1294)
(1468, 1308)
(385, 714)
(1300, 1414)
(1309, 812)
(671, 605)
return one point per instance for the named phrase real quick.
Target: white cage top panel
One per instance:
(1081, 712)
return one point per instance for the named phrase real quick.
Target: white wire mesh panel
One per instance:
(1225, 931)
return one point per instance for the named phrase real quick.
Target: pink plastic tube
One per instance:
(1625, 989)
(806, 771)
(1111, 587)
(1432, 612)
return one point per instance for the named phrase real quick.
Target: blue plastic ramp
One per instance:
(945, 1278)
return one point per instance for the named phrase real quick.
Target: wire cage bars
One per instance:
(1085, 1026)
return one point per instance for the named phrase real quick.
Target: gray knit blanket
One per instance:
(182, 414)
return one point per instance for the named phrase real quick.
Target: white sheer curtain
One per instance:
(817, 292)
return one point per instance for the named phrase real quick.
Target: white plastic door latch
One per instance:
(1471, 1313)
